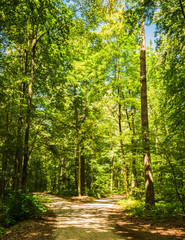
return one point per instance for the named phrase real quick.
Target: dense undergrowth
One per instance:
(161, 210)
(20, 206)
(101, 192)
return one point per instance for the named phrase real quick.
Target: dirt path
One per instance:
(97, 220)
(85, 221)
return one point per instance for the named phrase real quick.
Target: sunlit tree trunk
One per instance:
(149, 188)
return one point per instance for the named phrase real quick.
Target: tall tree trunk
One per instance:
(132, 128)
(122, 152)
(93, 157)
(112, 168)
(118, 180)
(3, 175)
(76, 165)
(149, 188)
(28, 117)
(134, 172)
(4, 160)
(160, 174)
(19, 156)
(79, 170)
(83, 159)
(120, 133)
(83, 174)
(20, 145)
(83, 171)
(112, 174)
(78, 152)
(60, 178)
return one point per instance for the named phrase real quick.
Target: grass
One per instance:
(161, 211)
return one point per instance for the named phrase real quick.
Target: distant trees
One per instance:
(25, 33)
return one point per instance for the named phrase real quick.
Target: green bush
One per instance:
(130, 204)
(100, 189)
(22, 206)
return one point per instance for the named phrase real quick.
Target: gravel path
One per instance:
(72, 219)
(91, 221)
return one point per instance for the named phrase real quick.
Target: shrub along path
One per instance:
(84, 219)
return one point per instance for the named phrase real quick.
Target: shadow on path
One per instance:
(97, 220)
(134, 231)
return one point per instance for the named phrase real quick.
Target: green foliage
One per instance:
(2, 230)
(22, 206)
(66, 192)
(100, 189)
(160, 211)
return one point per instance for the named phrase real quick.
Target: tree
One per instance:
(39, 20)
(171, 71)
(149, 188)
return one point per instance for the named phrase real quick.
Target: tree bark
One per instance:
(120, 132)
(28, 117)
(77, 142)
(134, 172)
(20, 145)
(83, 171)
(112, 175)
(118, 180)
(132, 128)
(19, 156)
(4, 160)
(83, 159)
(79, 171)
(149, 188)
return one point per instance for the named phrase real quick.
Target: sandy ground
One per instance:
(73, 219)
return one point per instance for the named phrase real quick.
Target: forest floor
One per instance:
(85, 218)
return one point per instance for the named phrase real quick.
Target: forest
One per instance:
(76, 114)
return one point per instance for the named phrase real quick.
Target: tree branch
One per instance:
(41, 36)
(183, 13)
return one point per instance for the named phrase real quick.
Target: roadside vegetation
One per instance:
(19, 206)
(161, 212)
